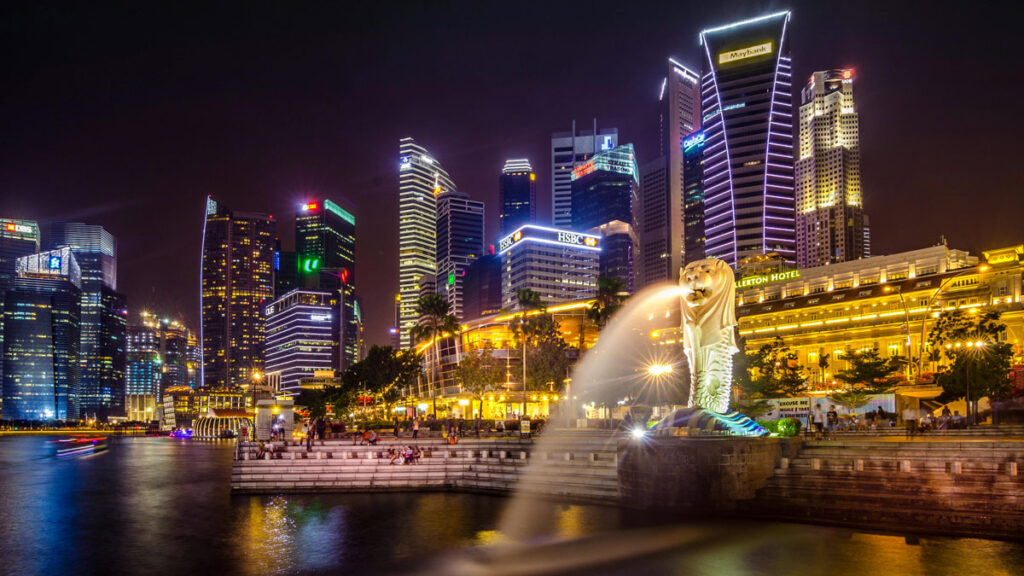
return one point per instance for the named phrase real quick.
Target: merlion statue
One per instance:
(708, 318)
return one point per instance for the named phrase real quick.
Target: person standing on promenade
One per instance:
(321, 429)
(415, 428)
(396, 428)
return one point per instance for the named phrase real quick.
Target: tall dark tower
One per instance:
(104, 322)
(518, 195)
(746, 85)
(325, 252)
(237, 281)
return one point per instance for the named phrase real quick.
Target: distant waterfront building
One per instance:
(42, 316)
(421, 178)
(303, 329)
(17, 238)
(460, 241)
(518, 199)
(567, 150)
(482, 287)
(159, 356)
(660, 210)
(143, 372)
(104, 321)
(831, 225)
(237, 282)
(747, 119)
(693, 198)
(604, 191)
(325, 244)
(560, 265)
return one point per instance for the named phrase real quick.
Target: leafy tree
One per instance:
(384, 372)
(868, 370)
(771, 371)
(480, 372)
(545, 354)
(975, 355)
(437, 319)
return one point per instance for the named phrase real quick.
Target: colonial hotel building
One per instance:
(885, 302)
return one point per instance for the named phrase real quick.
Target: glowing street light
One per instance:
(659, 369)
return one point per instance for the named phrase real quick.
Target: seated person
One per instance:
(373, 438)
(392, 454)
(262, 451)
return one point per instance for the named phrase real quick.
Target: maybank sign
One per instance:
(549, 236)
(744, 53)
(748, 281)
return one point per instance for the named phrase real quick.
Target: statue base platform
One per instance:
(701, 422)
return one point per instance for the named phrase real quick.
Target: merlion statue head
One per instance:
(709, 298)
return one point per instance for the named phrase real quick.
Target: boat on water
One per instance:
(81, 446)
(181, 433)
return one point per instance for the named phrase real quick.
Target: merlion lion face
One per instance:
(700, 280)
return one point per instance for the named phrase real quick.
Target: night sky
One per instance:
(129, 116)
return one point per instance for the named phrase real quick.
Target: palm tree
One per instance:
(436, 316)
(528, 300)
(611, 293)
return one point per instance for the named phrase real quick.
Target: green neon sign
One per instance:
(451, 279)
(310, 265)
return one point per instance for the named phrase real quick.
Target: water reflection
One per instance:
(157, 506)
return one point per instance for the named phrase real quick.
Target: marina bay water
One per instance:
(163, 506)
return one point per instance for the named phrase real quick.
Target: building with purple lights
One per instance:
(747, 119)
(560, 265)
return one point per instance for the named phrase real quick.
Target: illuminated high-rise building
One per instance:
(325, 248)
(831, 225)
(518, 198)
(237, 282)
(303, 336)
(143, 371)
(460, 241)
(660, 210)
(42, 319)
(104, 321)
(17, 238)
(747, 120)
(604, 192)
(567, 150)
(421, 178)
(559, 265)
(693, 197)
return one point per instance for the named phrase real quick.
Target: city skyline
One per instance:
(157, 219)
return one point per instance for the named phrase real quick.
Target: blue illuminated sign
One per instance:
(607, 144)
(694, 140)
(54, 262)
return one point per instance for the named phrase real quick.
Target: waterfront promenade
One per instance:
(966, 483)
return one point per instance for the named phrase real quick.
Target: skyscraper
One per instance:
(143, 371)
(830, 222)
(421, 178)
(660, 210)
(693, 197)
(747, 121)
(559, 265)
(460, 241)
(303, 335)
(17, 238)
(482, 287)
(567, 150)
(42, 337)
(325, 247)
(518, 195)
(604, 191)
(102, 352)
(237, 282)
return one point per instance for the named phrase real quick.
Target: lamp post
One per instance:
(906, 314)
(928, 302)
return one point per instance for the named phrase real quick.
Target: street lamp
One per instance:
(928, 302)
(659, 369)
(906, 314)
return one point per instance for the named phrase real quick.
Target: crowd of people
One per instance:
(410, 454)
(824, 423)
